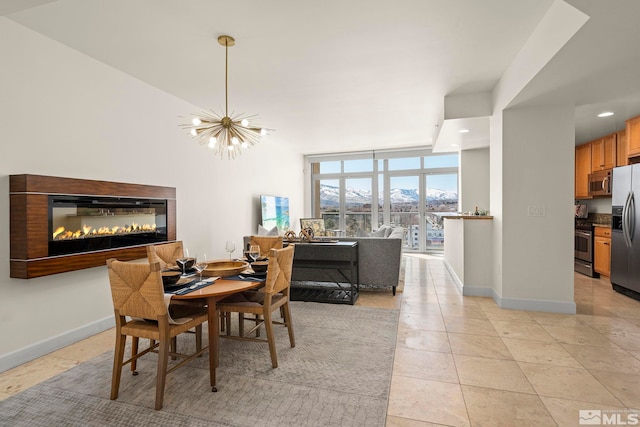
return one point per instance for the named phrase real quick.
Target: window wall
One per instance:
(356, 193)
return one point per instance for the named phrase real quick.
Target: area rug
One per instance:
(338, 374)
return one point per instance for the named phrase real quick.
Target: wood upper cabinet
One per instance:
(602, 250)
(603, 153)
(582, 170)
(633, 137)
(621, 149)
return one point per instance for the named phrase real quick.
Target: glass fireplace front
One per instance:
(86, 223)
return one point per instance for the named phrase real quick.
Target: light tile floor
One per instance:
(464, 361)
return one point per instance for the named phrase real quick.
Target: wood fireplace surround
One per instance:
(30, 230)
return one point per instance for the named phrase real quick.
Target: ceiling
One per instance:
(338, 76)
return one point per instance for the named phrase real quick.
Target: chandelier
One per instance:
(228, 134)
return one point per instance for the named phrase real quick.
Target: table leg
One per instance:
(214, 331)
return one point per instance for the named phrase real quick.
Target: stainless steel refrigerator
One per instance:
(625, 231)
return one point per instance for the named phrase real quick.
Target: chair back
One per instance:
(136, 289)
(266, 243)
(279, 270)
(165, 253)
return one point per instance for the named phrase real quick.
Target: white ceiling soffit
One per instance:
(328, 76)
(11, 6)
(463, 134)
(597, 70)
(561, 22)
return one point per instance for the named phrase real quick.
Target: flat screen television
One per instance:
(275, 212)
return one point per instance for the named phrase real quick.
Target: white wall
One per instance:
(537, 270)
(65, 114)
(474, 179)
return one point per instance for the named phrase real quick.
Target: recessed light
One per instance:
(606, 114)
(454, 145)
(464, 131)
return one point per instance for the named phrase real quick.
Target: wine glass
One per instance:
(201, 265)
(254, 252)
(230, 247)
(182, 261)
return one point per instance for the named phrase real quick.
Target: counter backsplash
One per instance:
(599, 218)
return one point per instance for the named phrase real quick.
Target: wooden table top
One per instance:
(220, 287)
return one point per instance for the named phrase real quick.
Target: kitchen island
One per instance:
(468, 252)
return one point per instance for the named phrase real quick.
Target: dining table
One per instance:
(213, 293)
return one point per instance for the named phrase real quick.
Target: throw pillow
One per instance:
(378, 233)
(388, 231)
(397, 233)
(264, 232)
(361, 233)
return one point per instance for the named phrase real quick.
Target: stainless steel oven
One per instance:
(583, 250)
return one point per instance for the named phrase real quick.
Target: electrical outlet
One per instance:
(535, 211)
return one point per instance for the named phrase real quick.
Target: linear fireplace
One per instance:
(86, 223)
(65, 224)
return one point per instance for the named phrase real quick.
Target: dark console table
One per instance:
(327, 262)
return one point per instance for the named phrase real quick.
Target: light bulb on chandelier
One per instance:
(216, 131)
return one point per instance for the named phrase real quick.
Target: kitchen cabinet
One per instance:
(621, 148)
(633, 137)
(582, 171)
(603, 153)
(602, 250)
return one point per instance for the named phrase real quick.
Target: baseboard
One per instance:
(39, 349)
(468, 290)
(536, 305)
(454, 276)
(511, 303)
(478, 291)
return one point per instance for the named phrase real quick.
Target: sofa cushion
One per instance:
(378, 233)
(397, 233)
(361, 233)
(384, 231)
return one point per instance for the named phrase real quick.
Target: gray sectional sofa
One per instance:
(378, 260)
(379, 256)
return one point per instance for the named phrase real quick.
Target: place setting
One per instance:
(187, 277)
(255, 269)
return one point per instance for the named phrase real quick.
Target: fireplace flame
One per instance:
(57, 232)
(61, 233)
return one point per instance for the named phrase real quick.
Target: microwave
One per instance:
(600, 183)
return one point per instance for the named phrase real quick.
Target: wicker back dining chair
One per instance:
(263, 302)
(165, 253)
(266, 243)
(141, 312)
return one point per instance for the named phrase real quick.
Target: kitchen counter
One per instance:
(460, 216)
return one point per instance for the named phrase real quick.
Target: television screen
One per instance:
(275, 212)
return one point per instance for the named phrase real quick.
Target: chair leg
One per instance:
(227, 321)
(241, 324)
(258, 319)
(199, 338)
(270, 338)
(288, 323)
(223, 322)
(118, 357)
(174, 347)
(163, 362)
(134, 350)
